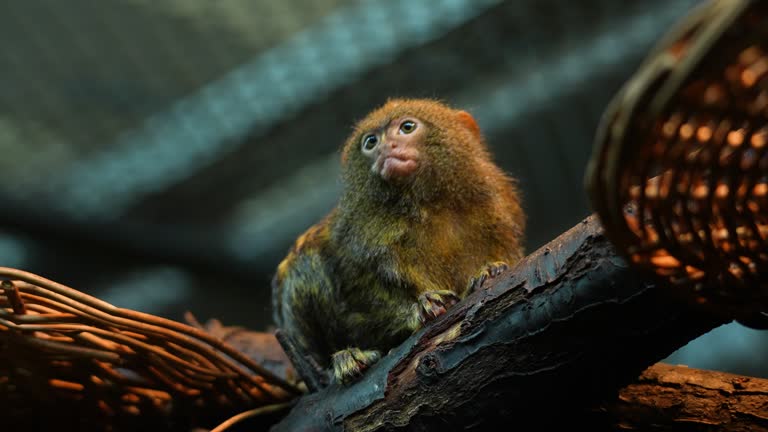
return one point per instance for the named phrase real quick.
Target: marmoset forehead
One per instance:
(392, 120)
(420, 109)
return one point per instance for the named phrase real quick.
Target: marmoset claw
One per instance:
(349, 364)
(489, 272)
(432, 304)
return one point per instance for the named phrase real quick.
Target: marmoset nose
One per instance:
(390, 144)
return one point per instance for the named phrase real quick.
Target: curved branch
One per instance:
(567, 327)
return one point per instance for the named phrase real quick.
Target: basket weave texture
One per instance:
(679, 177)
(70, 355)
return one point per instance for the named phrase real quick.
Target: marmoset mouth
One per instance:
(394, 166)
(397, 162)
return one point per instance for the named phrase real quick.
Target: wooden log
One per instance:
(678, 398)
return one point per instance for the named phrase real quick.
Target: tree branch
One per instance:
(566, 328)
(676, 398)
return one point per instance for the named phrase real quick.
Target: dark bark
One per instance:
(677, 398)
(568, 327)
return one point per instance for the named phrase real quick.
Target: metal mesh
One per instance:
(206, 137)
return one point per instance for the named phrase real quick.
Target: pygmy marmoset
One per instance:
(424, 214)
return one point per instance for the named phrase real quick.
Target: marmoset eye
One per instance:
(407, 127)
(369, 142)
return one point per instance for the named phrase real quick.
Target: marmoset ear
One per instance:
(469, 122)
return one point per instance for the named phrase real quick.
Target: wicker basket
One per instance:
(86, 364)
(679, 176)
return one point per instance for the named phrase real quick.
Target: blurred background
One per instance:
(162, 155)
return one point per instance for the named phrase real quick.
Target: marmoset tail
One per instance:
(424, 217)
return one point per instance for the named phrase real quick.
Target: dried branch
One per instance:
(568, 326)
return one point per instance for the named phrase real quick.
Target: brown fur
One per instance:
(353, 279)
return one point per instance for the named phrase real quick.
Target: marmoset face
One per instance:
(395, 149)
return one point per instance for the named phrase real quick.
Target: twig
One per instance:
(250, 413)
